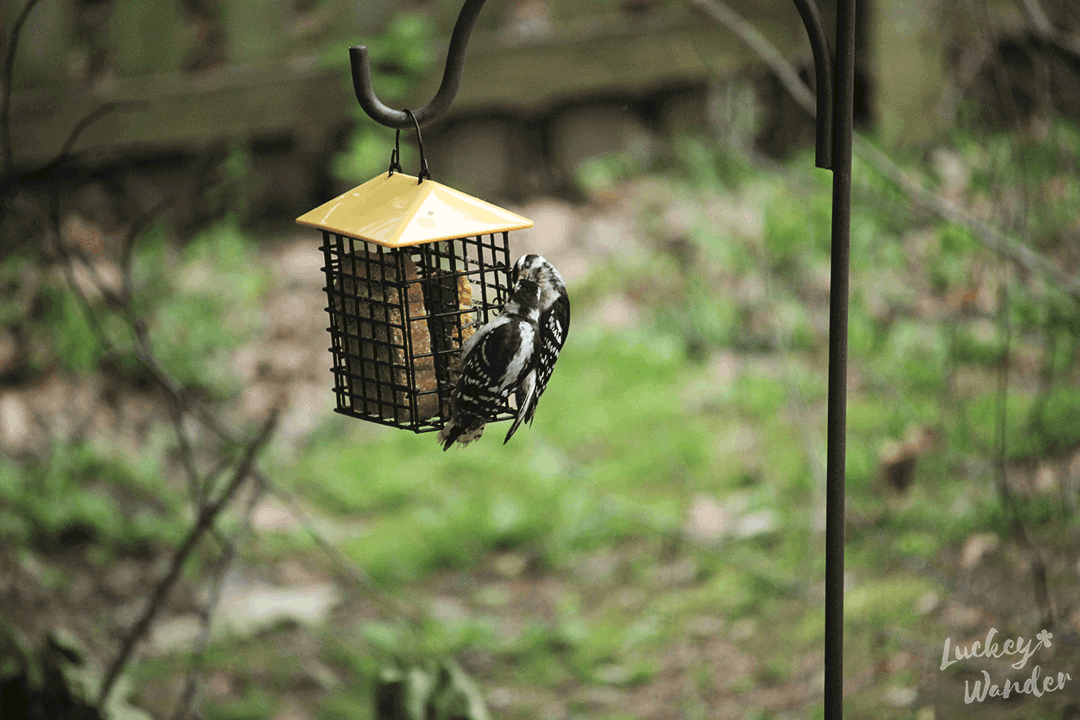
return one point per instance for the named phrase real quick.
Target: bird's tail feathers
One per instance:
(526, 404)
(463, 434)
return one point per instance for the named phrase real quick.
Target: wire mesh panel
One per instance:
(398, 319)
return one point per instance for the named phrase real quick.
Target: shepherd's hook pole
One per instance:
(838, 344)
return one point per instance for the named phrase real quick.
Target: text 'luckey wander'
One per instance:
(1032, 685)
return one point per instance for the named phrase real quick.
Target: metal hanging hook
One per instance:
(424, 173)
(455, 67)
(395, 155)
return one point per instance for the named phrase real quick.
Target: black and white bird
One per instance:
(554, 322)
(514, 354)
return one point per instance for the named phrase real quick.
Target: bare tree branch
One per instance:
(358, 577)
(203, 522)
(789, 77)
(77, 131)
(187, 455)
(9, 69)
(992, 238)
(185, 704)
(185, 403)
(1040, 23)
(182, 403)
(970, 63)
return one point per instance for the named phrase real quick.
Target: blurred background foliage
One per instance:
(651, 547)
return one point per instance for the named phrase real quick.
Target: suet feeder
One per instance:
(413, 269)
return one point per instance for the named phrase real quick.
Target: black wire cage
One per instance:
(413, 269)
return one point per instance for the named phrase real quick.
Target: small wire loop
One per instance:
(424, 173)
(395, 156)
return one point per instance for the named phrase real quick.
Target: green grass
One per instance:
(430, 509)
(633, 428)
(93, 491)
(616, 443)
(199, 306)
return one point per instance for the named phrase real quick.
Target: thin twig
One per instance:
(48, 170)
(1010, 502)
(9, 69)
(993, 239)
(187, 456)
(90, 119)
(394, 605)
(757, 42)
(203, 522)
(1039, 22)
(123, 302)
(127, 246)
(180, 398)
(990, 237)
(1002, 439)
(186, 701)
(182, 402)
(143, 348)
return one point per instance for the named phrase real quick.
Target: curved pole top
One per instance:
(451, 80)
(455, 68)
(823, 67)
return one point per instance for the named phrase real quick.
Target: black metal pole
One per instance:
(835, 464)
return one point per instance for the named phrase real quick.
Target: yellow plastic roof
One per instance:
(395, 211)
